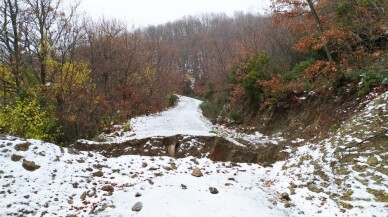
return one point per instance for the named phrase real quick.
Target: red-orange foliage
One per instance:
(321, 69)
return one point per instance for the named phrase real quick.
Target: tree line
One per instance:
(65, 76)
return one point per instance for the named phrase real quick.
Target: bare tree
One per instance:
(10, 42)
(48, 21)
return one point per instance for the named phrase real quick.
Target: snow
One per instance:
(55, 189)
(186, 118)
(52, 187)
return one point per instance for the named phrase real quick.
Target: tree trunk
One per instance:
(320, 29)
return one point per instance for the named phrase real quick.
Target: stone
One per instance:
(108, 188)
(22, 146)
(83, 196)
(144, 164)
(81, 161)
(288, 204)
(194, 160)
(30, 165)
(372, 161)
(73, 151)
(213, 190)
(16, 157)
(184, 187)
(284, 196)
(137, 207)
(138, 194)
(197, 172)
(167, 168)
(98, 174)
(312, 187)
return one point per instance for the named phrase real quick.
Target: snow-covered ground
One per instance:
(186, 118)
(68, 182)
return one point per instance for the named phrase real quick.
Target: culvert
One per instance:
(172, 148)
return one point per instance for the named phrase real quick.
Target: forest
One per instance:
(65, 76)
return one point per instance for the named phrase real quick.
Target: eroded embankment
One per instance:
(180, 146)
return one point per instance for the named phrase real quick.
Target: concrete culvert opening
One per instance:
(172, 149)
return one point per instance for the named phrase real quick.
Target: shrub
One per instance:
(298, 70)
(210, 110)
(29, 118)
(257, 68)
(370, 80)
(171, 99)
(127, 127)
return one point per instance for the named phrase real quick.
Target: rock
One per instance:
(288, 204)
(167, 168)
(81, 161)
(372, 161)
(144, 164)
(184, 187)
(30, 165)
(16, 157)
(98, 174)
(285, 196)
(83, 196)
(194, 160)
(150, 181)
(73, 151)
(158, 174)
(266, 164)
(137, 207)
(173, 166)
(138, 194)
(197, 172)
(231, 179)
(108, 188)
(22, 146)
(312, 187)
(213, 190)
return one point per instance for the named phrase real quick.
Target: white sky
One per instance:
(150, 12)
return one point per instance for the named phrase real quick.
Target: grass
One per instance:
(127, 127)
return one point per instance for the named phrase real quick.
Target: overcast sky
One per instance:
(149, 12)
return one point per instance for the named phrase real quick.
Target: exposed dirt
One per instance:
(217, 148)
(314, 119)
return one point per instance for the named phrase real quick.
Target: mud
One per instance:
(215, 148)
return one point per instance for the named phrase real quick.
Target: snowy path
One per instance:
(186, 118)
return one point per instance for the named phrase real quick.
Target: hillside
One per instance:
(343, 175)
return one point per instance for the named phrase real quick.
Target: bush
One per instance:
(171, 99)
(257, 68)
(370, 80)
(210, 110)
(298, 70)
(29, 118)
(127, 127)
